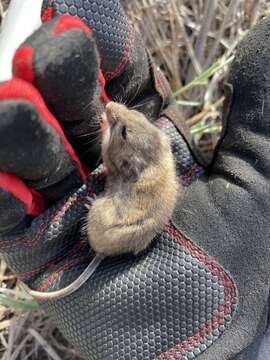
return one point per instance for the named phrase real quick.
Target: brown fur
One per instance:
(141, 186)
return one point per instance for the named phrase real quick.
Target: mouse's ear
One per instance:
(132, 168)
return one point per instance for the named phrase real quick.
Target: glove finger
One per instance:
(33, 145)
(18, 203)
(52, 242)
(125, 63)
(244, 144)
(111, 29)
(130, 72)
(61, 60)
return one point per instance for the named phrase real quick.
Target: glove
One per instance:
(187, 294)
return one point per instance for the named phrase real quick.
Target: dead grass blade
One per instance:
(46, 346)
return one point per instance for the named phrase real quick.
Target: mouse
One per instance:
(141, 185)
(139, 196)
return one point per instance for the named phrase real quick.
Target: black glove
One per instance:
(174, 301)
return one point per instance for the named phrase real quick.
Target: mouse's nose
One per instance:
(111, 112)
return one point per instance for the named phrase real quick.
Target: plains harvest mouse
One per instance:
(141, 186)
(139, 195)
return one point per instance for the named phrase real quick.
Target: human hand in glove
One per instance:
(201, 289)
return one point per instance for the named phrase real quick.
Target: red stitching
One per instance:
(216, 321)
(191, 173)
(42, 227)
(164, 121)
(208, 261)
(192, 247)
(44, 284)
(210, 264)
(28, 275)
(127, 50)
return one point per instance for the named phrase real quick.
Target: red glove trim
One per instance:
(33, 201)
(47, 14)
(20, 89)
(67, 23)
(22, 65)
(102, 83)
(23, 59)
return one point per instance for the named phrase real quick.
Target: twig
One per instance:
(19, 348)
(200, 44)
(27, 356)
(3, 340)
(231, 10)
(7, 277)
(187, 41)
(45, 345)
(196, 118)
(5, 324)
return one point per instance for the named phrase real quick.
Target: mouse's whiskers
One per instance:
(90, 134)
(120, 99)
(139, 105)
(92, 141)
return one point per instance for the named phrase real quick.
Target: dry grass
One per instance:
(186, 37)
(33, 336)
(27, 334)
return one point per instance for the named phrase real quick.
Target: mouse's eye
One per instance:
(124, 132)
